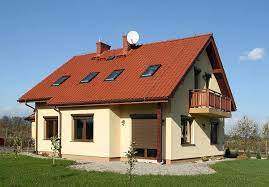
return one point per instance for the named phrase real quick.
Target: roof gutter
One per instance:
(118, 102)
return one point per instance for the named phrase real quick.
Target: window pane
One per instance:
(51, 128)
(89, 77)
(151, 152)
(214, 133)
(79, 128)
(114, 75)
(110, 58)
(186, 130)
(139, 152)
(151, 70)
(60, 80)
(89, 130)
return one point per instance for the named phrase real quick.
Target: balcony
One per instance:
(210, 103)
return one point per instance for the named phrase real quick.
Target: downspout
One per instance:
(159, 121)
(36, 125)
(60, 129)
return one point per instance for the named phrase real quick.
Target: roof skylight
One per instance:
(60, 80)
(89, 77)
(151, 70)
(110, 58)
(114, 75)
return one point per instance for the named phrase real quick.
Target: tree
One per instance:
(17, 145)
(55, 147)
(246, 131)
(265, 135)
(130, 154)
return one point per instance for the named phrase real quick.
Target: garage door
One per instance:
(144, 135)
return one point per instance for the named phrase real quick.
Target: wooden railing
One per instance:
(209, 98)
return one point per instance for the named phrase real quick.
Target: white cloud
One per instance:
(253, 55)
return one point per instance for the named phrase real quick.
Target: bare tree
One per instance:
(246, 131)
(265, 135)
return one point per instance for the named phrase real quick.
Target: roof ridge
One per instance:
(157, 42)
(176, 39)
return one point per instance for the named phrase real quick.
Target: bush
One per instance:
(230, 154)
(248, 154)
(45, 154)
(227, 153)
(234, 154)
(258, 156)
(205, 158)
(243, 156)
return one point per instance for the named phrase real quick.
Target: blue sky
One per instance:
(37, 37)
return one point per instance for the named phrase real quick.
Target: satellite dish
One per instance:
(132, 37)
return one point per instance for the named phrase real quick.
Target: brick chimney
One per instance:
(101, 47)
(125, 45)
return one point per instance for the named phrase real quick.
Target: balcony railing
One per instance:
(208, 98)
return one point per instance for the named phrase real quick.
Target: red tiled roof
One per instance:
(175, 56)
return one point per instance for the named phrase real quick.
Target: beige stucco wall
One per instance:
(201, 125)
(112, 129)
(101, 136)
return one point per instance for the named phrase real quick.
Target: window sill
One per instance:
(85, 141)
(187, 145)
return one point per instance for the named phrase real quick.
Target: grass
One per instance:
(28, 171)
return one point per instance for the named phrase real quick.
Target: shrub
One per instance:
(17, 145)
(258, 155)
(44, 154)
(205, 158)
(230, 154)
(243, 156)
(248, 154)
(227, 153)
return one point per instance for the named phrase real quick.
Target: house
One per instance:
(170, 98)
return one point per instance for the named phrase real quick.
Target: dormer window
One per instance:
(151, 70)
(89, 77)
(114, 75)
(60, 80)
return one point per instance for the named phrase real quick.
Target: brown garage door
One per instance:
(144, 133)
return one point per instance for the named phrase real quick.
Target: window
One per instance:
(151, 70)
(83, 128)
(145, 153)
(60, 80)
(214, 133)
(207, 77)
(89, 77)
(110, 58)
(186, 130)
(51, 126)
(114, 75)
(196, 78)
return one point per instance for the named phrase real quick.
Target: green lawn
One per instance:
(27, 171)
